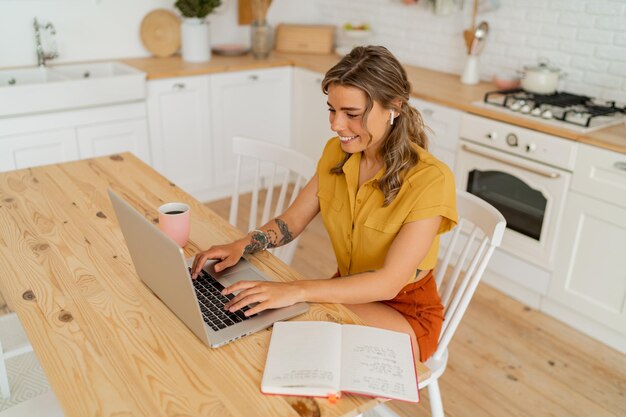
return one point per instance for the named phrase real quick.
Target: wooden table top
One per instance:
(108, 346)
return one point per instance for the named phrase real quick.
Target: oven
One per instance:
(525, 175)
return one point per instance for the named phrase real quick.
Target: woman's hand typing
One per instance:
(228, 255)
(265, 294)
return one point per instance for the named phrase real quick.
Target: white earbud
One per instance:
(391, 116)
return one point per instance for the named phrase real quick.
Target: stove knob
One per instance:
(547, 114)
(525, 109)
(516, 106)
(531, 147)
(511, 139)
(536, 112)
(492, 135)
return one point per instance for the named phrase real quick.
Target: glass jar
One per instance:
(260, 39)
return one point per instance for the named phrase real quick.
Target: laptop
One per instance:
(161, 265)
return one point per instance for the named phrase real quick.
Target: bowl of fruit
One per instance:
(360, 31)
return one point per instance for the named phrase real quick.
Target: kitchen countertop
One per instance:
(434, 86)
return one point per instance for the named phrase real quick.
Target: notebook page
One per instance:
(303, 358)
(378, 362)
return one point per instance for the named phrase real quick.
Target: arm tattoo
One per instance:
(258, 242)
(287, 236)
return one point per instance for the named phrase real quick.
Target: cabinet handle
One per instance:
(547, 174)
(428, 112)
(179, 86)
(253, 77)
(620, 165)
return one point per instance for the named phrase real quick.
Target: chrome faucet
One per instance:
(42, 55)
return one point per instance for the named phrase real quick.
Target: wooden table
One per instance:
(108, 346)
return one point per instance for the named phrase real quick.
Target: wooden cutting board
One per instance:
(245, 12)
(160, 33)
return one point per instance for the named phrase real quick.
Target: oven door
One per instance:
(531, 197)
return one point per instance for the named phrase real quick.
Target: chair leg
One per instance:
(434, 396)
(5, 390)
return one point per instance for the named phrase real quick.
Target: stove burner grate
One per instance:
(565, 107)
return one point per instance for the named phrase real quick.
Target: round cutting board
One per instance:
(160, 33)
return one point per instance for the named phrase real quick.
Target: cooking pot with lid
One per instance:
(541, 78)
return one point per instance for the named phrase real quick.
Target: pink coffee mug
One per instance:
(174, 221)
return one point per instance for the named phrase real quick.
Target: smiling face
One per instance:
(347, 107)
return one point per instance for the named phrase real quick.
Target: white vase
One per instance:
(470, 73)
(195, 38)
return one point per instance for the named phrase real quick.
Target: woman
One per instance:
(383, 198)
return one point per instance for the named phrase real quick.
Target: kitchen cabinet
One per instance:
(311, 128)
(255, 104)
(444, 124)
(37, 148)
(588, 287)
(48, 138)
(114, 137)
(179, 118)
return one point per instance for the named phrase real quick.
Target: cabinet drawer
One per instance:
(601, 173)
(443, 123)
(38, 148)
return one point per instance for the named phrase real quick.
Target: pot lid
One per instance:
(542, 66)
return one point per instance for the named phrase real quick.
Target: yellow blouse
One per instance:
(360, 228)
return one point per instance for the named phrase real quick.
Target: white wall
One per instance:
(585, 38)
(109, 29)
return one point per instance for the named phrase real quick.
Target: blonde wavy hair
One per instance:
(374, 70)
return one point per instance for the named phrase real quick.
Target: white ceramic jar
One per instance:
(195, 39)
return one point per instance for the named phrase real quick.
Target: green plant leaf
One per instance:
(197, 8)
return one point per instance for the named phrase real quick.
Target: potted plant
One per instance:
(195, 33)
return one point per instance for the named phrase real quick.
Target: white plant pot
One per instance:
(195, 38)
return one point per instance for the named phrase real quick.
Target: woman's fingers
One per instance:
(264, 294)
(216, 252)
(227, 262)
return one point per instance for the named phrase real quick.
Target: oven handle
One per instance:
(548, 174)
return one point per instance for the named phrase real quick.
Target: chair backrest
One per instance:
(471, 244)
(282, 167)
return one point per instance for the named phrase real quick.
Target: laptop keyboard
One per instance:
(209, 294)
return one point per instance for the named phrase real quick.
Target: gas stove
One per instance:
(569, 111)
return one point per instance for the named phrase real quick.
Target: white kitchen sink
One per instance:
(95, 70)
(21, 76)
(37, 90)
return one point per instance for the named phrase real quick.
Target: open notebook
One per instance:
(323, 359)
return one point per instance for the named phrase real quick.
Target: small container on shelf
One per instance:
(506, 80)
(353, 35)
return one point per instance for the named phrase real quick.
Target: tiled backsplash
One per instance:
(585, 38)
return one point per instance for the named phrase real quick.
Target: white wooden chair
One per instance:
(13, 342)
(471, 244)
(285, 165)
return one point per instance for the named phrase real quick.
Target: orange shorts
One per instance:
(420, 304)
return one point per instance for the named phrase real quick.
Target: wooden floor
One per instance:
(507, 360)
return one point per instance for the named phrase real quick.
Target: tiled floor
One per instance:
(26, 378)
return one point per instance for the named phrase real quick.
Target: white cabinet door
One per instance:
(443, 123)
(311, 128)
(38, 148)
(600, 173)
(590, 275)
(114, 137)
(255, 104)
(179, 121)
